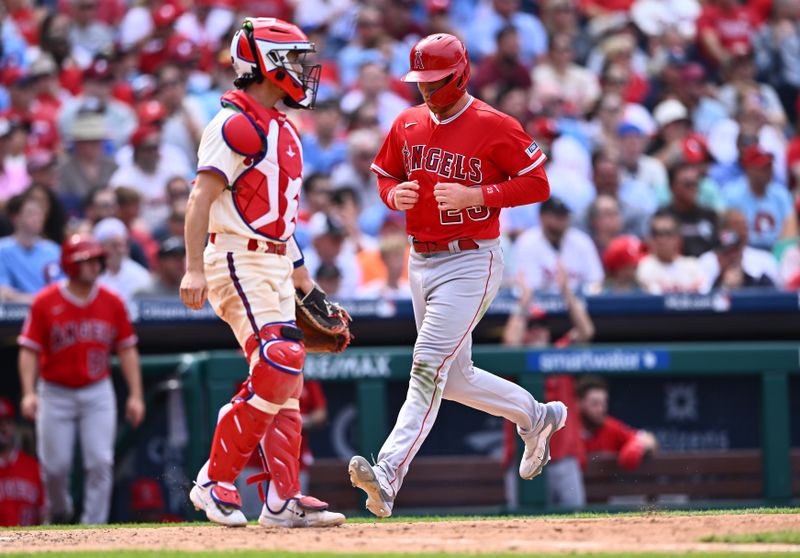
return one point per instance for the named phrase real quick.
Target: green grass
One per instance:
(281, 554)
(773, 537)
(438, 518)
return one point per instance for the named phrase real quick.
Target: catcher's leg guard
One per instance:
(275, 377)
(281, 447)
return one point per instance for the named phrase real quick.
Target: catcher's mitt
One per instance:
(325, 324)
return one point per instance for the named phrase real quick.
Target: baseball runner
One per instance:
(246, 197)
(67, 340)
(451, 164)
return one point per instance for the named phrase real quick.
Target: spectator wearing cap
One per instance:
(538, 252)
(621, 260)
(373, 87)
(98, 82)
(86, 166)
(740, 79)
(362, 146)
(637, 167)
(697, 225)
(604, 221)
(28, 262)
(492, 16)
(578, 86)
(122, 275)
(13, 171)
(149, 171)
(672, 119)
(21, 487)
(664, 270)
(698, 94)
(729, 268)
(607, 179)
(170, 270)
(503, 69)
(777, 52)
(734, 246)
(694, 153)
(328, 237)
(88, 36)
(766, 204)
(723, 27)
(325, 146)
(750, 122)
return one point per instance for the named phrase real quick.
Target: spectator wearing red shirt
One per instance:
(603, 434)
(527, 326)
(67, 341)
(21, 489)
(723, 27)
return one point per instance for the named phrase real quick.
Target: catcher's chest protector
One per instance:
(267, 194)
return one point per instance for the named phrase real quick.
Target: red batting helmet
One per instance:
(259, 50)
(77, 249)
(437, 57)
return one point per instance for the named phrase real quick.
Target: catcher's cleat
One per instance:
(537, 446)
(301, 512)
(221, 505)
(363, 476)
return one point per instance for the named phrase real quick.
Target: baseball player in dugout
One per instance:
(67, 340)
(451, 164)
(246, 196)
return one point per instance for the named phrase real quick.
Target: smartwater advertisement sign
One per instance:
(598, 360)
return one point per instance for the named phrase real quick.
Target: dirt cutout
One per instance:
(649, 533)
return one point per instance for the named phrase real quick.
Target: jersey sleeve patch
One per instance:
(533, 150)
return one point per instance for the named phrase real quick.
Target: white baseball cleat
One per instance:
(363, 476)
(300, 512)
(537, 447)
(220, 504)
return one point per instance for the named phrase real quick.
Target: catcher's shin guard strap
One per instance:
(281, 447)
(237, 435)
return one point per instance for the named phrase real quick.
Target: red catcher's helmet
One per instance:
(259, 50)
(436, 57)
(77, 249)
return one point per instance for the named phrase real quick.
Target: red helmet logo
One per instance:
(437, 57)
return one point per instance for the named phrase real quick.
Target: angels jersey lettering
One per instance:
(475, 147)
(75, 339)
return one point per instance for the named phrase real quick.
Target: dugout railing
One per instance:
(209, 379)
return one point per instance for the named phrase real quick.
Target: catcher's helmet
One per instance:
(79, 248)
(259, 50)
(437, 57)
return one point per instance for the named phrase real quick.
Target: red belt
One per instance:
(254, 245)
(429, 247)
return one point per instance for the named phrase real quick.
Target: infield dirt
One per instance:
(647, 533)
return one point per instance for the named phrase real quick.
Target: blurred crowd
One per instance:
(670, 127)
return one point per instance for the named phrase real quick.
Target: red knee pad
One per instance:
(237, 435)
(281, 447)
(278, 373)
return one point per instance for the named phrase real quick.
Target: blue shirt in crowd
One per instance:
(318, 159)
(765, 215)
(28, 270)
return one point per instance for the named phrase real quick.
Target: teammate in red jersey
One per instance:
(605, 434)
(451, 164)
(250, 166)
(21, 489)
(67, 341)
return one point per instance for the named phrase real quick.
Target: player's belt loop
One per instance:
(454, 246)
